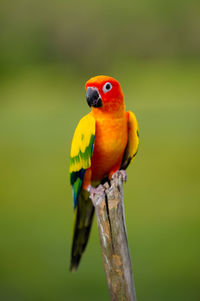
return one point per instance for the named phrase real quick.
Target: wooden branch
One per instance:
(109, 207)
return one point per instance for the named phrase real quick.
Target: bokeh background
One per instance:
(48, 49)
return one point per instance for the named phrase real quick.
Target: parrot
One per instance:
(105, 141)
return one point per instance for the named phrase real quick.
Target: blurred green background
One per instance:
(48, 49)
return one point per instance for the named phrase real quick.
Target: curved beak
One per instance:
(93, 97)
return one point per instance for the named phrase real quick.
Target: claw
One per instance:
(92, 190)
(120, 173)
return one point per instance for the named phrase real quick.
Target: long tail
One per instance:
(83, 220)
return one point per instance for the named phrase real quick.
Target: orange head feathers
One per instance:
(104, 94)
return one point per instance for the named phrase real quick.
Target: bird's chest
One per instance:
(110, 143)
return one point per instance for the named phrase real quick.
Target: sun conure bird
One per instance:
(105, 141)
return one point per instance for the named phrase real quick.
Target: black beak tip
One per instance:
(88, 101)
(93, 98)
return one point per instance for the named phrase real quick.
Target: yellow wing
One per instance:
(133, 140)
(81, 153)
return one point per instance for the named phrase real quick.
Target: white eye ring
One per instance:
(107, 87)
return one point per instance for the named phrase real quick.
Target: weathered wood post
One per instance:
(113, 238)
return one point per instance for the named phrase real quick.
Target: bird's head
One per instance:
(103, 93)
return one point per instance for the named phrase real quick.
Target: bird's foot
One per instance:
(120, 174)
(93, 191)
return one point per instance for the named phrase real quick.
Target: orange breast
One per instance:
(110, 143)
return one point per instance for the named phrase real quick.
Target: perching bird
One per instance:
(105, 141)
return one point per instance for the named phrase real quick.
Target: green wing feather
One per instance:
(81, 153)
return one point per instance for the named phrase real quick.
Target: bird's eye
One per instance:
(107, 87)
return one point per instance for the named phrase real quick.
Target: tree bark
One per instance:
(109, 208)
